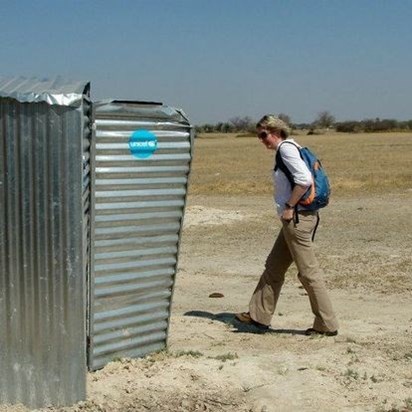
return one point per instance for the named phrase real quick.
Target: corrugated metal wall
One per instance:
(137, 212)
(43, 196)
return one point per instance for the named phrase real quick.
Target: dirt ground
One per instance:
(215, 364)
(365, 248)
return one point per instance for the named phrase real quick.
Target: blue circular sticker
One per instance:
(142, 143)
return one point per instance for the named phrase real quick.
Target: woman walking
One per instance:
(294, 242)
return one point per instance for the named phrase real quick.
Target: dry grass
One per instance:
(358, 163)
(371, 180)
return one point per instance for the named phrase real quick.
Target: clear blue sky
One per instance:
(218, 59)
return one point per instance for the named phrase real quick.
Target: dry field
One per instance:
(356, 163)
(371, 179)
(363, 243)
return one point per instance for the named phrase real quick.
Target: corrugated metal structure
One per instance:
(44, 231)
(137, 210)
(90, 226)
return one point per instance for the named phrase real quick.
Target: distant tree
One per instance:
(372, 125)
(302, 126)
(349, 126)
(379, 125)
(324, 120)
(241, 124)
(199, 129)
(285, 118)
(219, 127)
(227, 127)
(388, 124)
(208, 128)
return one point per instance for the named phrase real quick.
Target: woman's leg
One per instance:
(298, 236)
(264, 299)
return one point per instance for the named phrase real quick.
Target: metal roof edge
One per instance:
(53, 91)
(135, 106)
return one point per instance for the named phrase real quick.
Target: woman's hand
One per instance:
(287, 214)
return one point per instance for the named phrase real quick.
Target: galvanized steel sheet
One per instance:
(53, 91)
(137, 211)
(44, 201)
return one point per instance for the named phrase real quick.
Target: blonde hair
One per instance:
(274, 124)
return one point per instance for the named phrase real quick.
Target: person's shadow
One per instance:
(239, 327)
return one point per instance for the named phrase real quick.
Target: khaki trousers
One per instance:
(294, 244)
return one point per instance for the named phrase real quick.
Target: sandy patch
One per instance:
(198, 215)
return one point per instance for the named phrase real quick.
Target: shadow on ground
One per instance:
(239, 327)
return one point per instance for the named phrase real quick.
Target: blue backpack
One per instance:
(317, 195)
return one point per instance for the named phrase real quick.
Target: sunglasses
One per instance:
(263, 134)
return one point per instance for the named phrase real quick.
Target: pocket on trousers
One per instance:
(304, 228)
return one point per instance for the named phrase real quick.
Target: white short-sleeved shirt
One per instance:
(300, 173)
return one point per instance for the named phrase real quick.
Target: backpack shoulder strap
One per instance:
(280, 164)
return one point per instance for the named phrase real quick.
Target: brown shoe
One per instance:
(244, 317)
(314, 332)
